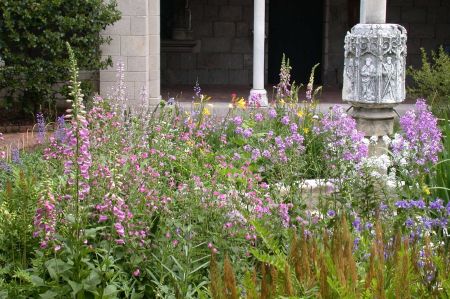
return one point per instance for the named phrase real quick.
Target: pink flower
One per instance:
(137, 272)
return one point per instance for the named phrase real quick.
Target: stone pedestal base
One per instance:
(375, 122)
(261, 94)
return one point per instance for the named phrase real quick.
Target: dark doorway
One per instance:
(295, 28)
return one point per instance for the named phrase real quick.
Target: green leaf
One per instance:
(110, 292)
(4, 295)
(56, 267)
(48, 295)
(37, 281)
(76, 287)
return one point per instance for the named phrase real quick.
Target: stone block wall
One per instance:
(224, 51)
(135, 42)
(427, 23)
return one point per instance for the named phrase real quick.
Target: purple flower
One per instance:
(247, 132)
(259, 117)
(331, 213)
(237, 120)
(15, 156)
(272, 113)
(356, 243)
(420, 204)
(41, 127)
(60, 132)
(402, 204)
(341, 136)
(256, 154)
(197, 90)
(438, 204)
(293, 128)
(285, 120)
(280, 143)
(409, 223)
(357, 224)
(421, 133)
(284, 87)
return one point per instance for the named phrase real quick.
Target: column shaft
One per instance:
(373, 12)
(258, 52)
(258, 44)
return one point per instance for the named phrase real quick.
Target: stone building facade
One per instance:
(215, 44)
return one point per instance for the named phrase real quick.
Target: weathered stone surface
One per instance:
(242, 29)
(414, 15)
(242, 45)
(113, 48)
(121, 27)
(134, 45)
(204, 29)
(375, 62)
(230, 13)
(224, 29)
(216, 45)
(137, 64)
(134, 7)
(423, 31)
(139, 25)
(374, 121)
(238, 77)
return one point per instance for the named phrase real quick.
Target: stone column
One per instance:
(154, 58)
(373, 12)
(374, 70)
(136, 43)
(258, 90)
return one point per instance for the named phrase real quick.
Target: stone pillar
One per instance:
(373, 12)
(374, 70)
(154, 58)
(258, 90)
(135, 42)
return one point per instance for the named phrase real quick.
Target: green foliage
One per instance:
(432, 81)
(32, 45)
(440, 179)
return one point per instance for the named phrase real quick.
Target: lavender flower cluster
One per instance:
(343, 140)
(421, 141)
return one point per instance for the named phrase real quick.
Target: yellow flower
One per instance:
(190, 143)
(300, 113)
(306, 130)
(426, 190)
(282, 101)
(206, 111)
(241, 103)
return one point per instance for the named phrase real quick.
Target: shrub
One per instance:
(432, 81)
(32, 45)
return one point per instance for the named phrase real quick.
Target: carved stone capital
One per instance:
(374, 65)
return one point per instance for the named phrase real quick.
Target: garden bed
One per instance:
(172, 203)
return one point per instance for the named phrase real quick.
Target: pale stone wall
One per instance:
(135, 42)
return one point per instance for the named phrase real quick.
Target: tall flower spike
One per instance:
(284, 87)
(78, 135)
(40, 127)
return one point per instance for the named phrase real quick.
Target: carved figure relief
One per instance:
(368, 74)
(389, 79)
(350, 73)
(374, 66)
